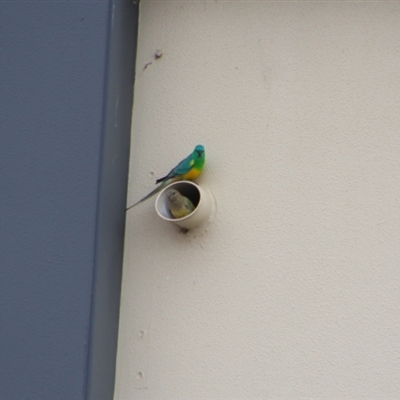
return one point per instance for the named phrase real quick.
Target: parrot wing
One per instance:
(182, 168)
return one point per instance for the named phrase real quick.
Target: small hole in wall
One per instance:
(139, 375)
(141, 334)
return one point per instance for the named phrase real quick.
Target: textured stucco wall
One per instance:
(293, 291)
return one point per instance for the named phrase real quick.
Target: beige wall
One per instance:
(294, 291)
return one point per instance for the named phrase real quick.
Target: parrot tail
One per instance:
(162, 179)
(152, 193)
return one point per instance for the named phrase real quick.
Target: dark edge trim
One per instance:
(117, 113)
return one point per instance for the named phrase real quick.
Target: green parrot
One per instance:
(188, 169)
(179, 206)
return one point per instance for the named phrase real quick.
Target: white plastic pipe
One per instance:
(202, 199)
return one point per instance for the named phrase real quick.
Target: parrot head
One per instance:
(172, 194)
(199, 151)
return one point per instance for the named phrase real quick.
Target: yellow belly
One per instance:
(192, 174)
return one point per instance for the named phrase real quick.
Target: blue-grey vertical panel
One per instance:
(112, 200)
(55, 210)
